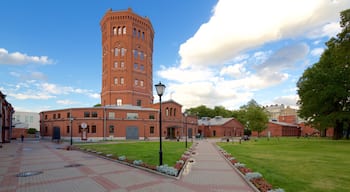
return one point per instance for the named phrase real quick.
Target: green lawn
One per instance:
(297, 164)
(148, 152)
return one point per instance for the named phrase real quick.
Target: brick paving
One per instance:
(208, 172)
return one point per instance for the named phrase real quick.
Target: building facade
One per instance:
(127, 49)
(31, 119)
(220, 127)
(127, 110)
(6, 112)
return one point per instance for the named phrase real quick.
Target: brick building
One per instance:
(6, 112)
(127, 110)
(220, 127)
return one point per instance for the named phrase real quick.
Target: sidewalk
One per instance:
(211, 172)
(62, 170)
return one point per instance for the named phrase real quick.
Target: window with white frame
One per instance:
(122, 80)
(116, 51)
(111, 115)
(123, 52)
(132, 115)
(119, 102)
(115, 80)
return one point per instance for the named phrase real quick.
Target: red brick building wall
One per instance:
(278, 129)
(231, 128)
(127, 59)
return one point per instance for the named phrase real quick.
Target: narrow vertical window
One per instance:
(123, 52)
(111, 129)
(116, 64)
(122, 80)
(114, 30)
(116, 51)
(141, 55)
(122, 64)
(141, 83)
(93, 128)
(119, 30)
(143, 35)
(134, 32)
(124, 30)
(136, 82)
(119, 102)
(115, 81)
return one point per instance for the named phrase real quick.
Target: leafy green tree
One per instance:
(31, 131)
(255, 117)
(98, 105)
(324, 88)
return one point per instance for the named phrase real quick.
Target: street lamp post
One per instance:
(71, 130)
(160, 90)
(186, 129)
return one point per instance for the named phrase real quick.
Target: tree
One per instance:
(255, 117)
(324, 88)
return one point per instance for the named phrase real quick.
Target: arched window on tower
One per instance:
(134, 32)
(114, 30)
(124, 30)
(167, 111)
(143, 36)
(119, 30)
(116, 51)
(171, 111)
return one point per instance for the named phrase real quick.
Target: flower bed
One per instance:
(253, 177)
(165, 169)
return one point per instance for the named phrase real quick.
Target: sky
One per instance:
(212, 52)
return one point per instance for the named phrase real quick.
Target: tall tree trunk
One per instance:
(338, 130)
(348, 131)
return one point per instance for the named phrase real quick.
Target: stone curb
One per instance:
(235, 169)
(135, 166)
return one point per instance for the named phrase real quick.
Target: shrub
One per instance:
(31, 131)
(122, 158)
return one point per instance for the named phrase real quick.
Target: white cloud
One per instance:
(328, 30)
(240, 25)
(317, 52)
(32, 89)
(66, 102)
(285, 58)
(288, 100)
(217, 66)
(18, 58)
(236, 71)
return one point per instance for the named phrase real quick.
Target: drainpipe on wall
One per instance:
(104, 122)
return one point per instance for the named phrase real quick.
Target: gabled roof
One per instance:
(218, 120)
(283, 123)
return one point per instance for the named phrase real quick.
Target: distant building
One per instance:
(220, 127)
(26, 120)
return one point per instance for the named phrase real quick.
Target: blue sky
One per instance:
(213, 52)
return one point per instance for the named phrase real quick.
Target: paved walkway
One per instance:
(209, 172)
